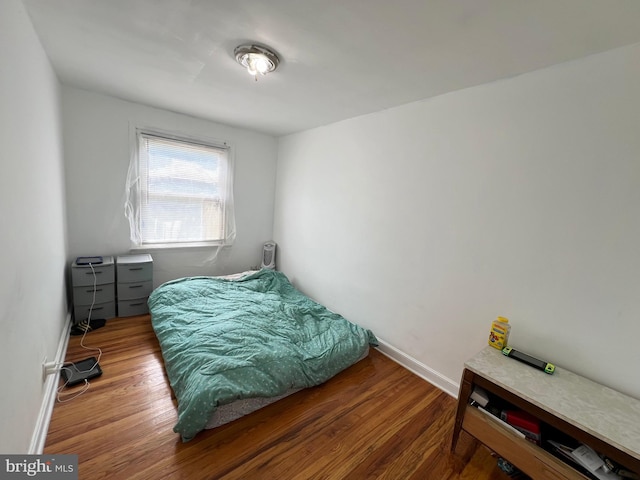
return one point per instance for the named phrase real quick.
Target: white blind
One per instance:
(184, 191)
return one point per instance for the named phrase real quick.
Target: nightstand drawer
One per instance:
(100, 310)
(134, 268)
(130, 291)
(81, 275)
(129, 308)
(84, 295)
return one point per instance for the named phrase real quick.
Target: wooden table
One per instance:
(604, 419)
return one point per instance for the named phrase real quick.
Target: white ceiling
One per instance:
(339, 58)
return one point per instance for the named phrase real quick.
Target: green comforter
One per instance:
(224, 340)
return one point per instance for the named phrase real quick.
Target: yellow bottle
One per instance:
(499, 335)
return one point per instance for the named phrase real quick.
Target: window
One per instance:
(179, 192)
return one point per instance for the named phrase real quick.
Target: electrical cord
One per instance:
(71, 367)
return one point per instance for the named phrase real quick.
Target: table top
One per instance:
(134, 258)
(106, 261)
(601, 411)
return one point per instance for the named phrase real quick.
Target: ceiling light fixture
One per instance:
(256, 59)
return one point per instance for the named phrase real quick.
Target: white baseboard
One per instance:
(430, 375)
(49, 398)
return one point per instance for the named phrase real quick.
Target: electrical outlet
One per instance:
(48, 368)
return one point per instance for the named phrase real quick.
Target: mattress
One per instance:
(231, 344)
(239, 408)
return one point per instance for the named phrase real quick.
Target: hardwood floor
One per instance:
(374, 420)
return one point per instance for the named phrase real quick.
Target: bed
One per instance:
(231, 345)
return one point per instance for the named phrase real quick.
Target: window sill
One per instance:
(174, 246)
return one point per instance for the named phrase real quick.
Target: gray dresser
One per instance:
(134, 275)
(90, 280)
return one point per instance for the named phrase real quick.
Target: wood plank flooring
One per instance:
(374, 420)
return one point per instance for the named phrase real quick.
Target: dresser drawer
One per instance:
(129, 308)
(81, 275)
(100, 310)
(84, 295)
(134, 268)
(130, 291)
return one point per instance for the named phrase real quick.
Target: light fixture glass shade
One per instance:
(256, 59)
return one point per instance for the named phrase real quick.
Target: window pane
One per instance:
(183, 191)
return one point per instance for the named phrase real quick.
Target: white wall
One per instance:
(518, 198)
(32, 243)
(97, 153)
